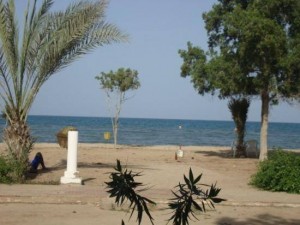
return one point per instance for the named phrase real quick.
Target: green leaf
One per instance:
(123, 186)
(191, 176)
(197, 179)
(184, 203)
(187, 181)
(218, 200)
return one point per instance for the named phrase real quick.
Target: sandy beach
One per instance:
(161, 171)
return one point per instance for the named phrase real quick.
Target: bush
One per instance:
(124, 187)
(5, 171)
(188, 199)
(279, 173)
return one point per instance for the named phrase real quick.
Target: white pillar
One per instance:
(70, 175)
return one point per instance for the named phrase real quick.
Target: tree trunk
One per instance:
(265, 99)
(19, 144)
(115, 130)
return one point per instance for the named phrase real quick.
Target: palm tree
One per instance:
(239, 109)
(49, 42)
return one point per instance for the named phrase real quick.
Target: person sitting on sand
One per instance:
(38, 160)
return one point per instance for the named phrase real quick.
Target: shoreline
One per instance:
(153, 147)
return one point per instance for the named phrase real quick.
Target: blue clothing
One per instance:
(38, 159)
(36, 162)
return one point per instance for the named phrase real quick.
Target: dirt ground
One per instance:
(161, 172)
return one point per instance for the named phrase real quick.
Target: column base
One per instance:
(69, 180)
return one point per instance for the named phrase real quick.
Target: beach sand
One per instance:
(161, 172)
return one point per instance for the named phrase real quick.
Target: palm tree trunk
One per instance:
(265, 99)
(240, 147)
(239, 109)
(19, 144)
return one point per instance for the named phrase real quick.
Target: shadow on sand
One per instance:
(262, 219)
(220, 153)
(62, 165)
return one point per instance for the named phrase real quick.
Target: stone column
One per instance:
(70, 175)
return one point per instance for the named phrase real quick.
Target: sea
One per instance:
(150, 132)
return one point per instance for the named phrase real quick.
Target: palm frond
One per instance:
(4, 76)
(31, 30)
(74, 33)
(33, 25)
(9, 38)
(50, 42)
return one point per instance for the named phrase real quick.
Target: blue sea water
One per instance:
(161, 131)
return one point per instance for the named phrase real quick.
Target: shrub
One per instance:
(279, 173)
(5, 171)
(12, 170)
(188, 198)
(124, 187)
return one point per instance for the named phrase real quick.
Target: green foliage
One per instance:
(194, 65)
(5, 171)
(120, 81)
(190, 197)
(18, 169)
(12, 170)
(279, 173)
(254, 49)
(124, 187)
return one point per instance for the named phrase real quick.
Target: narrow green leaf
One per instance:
(191, 176)
(197, 179)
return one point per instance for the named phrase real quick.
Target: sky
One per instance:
(157, 29)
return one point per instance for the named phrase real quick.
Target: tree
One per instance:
(115, 85)
(49, 42)
(262, 38)
(219, 75)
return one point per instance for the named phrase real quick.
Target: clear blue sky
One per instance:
(157, 30)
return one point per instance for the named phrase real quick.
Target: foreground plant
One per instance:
(123, 187)
(190, 198)
(48, 42)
